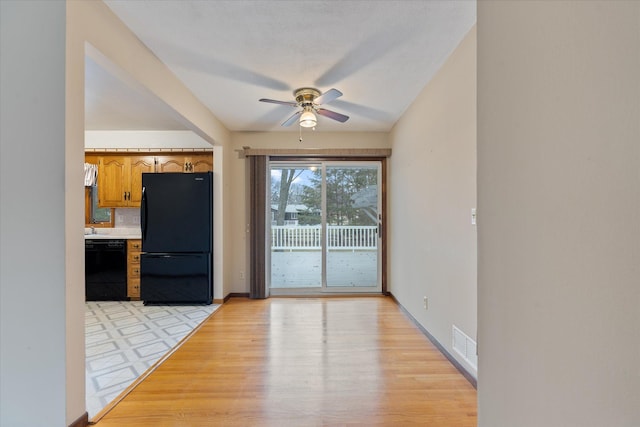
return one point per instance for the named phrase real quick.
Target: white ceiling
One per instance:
(113, 102)
(380, 54)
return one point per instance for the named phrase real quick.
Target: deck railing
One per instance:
(308, 237)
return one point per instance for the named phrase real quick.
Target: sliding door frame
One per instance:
(382, 228)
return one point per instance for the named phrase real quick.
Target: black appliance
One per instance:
(105, 268)
(177, 239)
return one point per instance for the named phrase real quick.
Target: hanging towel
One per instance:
(90, 174)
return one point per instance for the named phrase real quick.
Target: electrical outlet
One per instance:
(425, 301)
(242, 275)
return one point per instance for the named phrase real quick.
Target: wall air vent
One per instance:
(465, 347)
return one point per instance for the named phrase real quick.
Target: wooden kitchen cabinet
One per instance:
(139, 165)
(172, 163)
(184, 162)
(134, 246)
(201, 162)
(120, 175)
(120, 179)
(111, 181)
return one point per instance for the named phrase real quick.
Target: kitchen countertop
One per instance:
(112, 233)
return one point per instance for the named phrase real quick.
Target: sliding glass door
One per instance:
(295, 224)
(352, 217)
(324, 222)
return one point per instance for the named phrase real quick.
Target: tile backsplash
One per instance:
(127, 218)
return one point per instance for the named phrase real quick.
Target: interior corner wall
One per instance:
(32, 214)
(559, 204)
(238, 219)
(432, 181)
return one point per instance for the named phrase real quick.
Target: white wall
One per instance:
(432, 188)
(74, 222)
(238, 219)
(147, 140)
(32, 214)
(559, 204)
(42, 134)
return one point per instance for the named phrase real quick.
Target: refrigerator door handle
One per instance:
(143, 213)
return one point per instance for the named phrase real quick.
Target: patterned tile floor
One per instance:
(124, 338)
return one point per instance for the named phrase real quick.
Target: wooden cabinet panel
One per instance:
(133, 257)
(112, 181)
(169, 164)
(185, 162)
(133, 289)
(133, 271)
(133, 268)
(134, 245)
(139, 165)
(201, 162)
(120, 179)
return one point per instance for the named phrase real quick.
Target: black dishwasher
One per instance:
(105, 268)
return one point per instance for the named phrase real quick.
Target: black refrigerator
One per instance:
(176, 217)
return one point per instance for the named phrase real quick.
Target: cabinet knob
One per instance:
(136, 257)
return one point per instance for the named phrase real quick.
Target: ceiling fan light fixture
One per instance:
(308, 119)
(309, 101)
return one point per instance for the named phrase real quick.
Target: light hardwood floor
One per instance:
(302, 362)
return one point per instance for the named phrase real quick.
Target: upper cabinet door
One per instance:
(113, 180)
(120, 180)
(185, 163)
(138, 166)
(170, 164)
(201, 162)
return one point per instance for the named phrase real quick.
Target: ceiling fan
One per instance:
(309, 100)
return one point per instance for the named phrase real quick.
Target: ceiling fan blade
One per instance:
(332, 115)
(327, 97)
(273, 101)
(291, 119)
